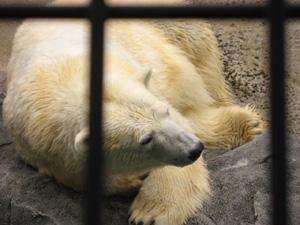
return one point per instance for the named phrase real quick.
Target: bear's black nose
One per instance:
(196, 152)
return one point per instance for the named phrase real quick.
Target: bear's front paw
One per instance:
(246, 125)
(255, 128)
(252, 127)
(145, 212)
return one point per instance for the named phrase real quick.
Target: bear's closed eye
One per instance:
(146, 140)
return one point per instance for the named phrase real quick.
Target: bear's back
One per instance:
(42, 41)
(46, 102)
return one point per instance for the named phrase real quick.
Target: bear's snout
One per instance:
(195, 153)
(176, 146)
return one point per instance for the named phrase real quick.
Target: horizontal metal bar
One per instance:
(145, 12)
(43, 12)
(187, 12)
(134, 12)
(292, 11)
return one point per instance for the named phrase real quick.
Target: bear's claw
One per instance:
(131, 221)
(248, 126)
(141, 223)
(258, 127)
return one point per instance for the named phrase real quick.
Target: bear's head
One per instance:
(139, 131)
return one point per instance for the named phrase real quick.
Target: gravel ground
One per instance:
(245, 46)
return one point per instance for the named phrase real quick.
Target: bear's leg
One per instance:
(127, 185)
(226, 127)
(200, 45)
(170, 195)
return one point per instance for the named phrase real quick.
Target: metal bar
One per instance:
(292, 11)
(135, 12)
(187, 12)
(45, 12)
(95, 159)
(144, 12)
(277, 18)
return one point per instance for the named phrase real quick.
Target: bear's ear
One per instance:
(144, 77)
(147, 76)
(81, 140)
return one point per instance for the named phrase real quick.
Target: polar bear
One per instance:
(164, 99)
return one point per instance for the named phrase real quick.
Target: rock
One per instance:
(243, 171)
(240, 181)
(26, 197)
(4, 139)
(262, 208)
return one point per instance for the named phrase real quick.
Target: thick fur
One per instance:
(163, 92)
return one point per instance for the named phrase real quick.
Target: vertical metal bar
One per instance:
(277, 18)
(95, 159)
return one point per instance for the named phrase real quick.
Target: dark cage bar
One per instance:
(276, 12)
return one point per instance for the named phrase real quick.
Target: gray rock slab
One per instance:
(240, 181)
